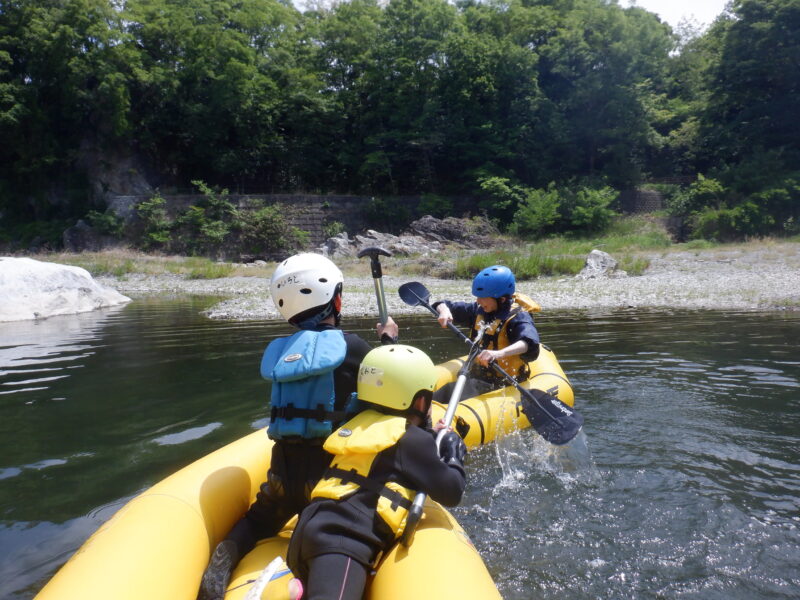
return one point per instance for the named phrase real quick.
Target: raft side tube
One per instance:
(158, 545)
(441, 562)
(499, 412)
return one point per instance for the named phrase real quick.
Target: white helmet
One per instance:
(303, 282)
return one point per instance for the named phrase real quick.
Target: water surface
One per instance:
(685, 483)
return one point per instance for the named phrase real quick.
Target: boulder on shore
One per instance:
(599, 265)
(32, 289)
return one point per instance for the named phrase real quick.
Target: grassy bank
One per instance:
(632, 241)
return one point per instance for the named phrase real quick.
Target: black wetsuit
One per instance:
(298, 464)
(336, 541)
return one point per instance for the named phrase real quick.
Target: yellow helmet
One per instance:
(393, 375)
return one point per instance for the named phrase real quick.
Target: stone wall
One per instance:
(312, 213)
(308, 212)
(640, 201)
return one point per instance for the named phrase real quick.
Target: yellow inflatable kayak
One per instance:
(495, 413)
(157, 546)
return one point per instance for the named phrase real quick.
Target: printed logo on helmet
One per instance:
(292, 357)
(293, 278)
(344, 432)
(370, 375)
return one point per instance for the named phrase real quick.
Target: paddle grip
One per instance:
(414, 515)
(374, 254)
(375, 264)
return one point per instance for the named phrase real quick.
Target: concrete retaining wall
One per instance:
(640, 201)
(308, 212)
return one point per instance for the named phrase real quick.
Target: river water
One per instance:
(684, 484)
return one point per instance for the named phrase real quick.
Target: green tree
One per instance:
(64, 70)
(755, 86)
(344, 39)
(215, 81)
(403, 106)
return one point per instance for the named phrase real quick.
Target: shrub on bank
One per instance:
(214, 227)
(733, 207)
(579, 206)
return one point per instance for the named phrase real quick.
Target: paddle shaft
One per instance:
(383, 314)
(415, 512)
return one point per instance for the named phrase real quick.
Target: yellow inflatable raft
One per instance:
(158, 545)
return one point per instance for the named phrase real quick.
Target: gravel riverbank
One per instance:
(757, 277)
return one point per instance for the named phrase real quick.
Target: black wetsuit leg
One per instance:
(294, 471)
(335, 577)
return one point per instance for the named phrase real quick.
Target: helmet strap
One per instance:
(314, 320)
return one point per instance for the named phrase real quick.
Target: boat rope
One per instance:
(478, 419)
(254, 593)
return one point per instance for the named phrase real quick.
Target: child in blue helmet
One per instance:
(510, 338)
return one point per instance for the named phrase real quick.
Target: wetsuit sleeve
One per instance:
(463, 312)
(523, 328)
(386, 339)
(425, 472)
(345, 377)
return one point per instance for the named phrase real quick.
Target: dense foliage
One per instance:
(212, 227)
(538, 108)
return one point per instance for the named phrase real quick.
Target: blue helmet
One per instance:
(494, 282)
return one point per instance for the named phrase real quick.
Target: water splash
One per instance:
(521, 452)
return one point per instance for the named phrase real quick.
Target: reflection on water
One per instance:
(35, 353)
(683, 483)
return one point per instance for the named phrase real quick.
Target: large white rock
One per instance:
(600, 264)
(32, 289)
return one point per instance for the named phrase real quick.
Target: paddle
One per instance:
(555, 421)
(415, 512)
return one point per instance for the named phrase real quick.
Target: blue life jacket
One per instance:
(301, 369)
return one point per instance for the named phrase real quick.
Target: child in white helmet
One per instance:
(381, 458)
(313, 375)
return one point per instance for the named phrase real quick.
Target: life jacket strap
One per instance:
(317, 414)
(353, 476)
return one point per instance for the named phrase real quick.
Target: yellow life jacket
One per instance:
(354, 447)
(495, 337)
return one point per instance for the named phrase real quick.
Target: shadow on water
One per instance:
(684, 482)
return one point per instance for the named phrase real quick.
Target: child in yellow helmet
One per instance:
(307, 290)
(382, 458)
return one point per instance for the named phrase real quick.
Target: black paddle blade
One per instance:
(550, 417)
(414, 293)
